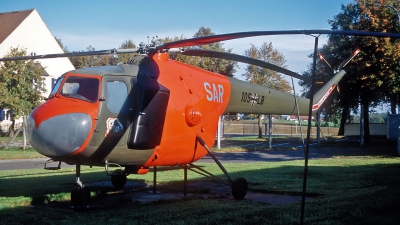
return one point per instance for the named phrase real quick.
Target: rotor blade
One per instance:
(346, 61)
(72, 54)
(230, 36)
(243, 59)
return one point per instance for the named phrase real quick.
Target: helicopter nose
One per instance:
(60, 135)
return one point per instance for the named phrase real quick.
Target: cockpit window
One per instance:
(56, 86)
(82, 88)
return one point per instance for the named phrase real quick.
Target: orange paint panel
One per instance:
(60, 105)
(205, 94)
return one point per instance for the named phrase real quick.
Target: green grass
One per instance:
(249, 139)
(303, 123)
(6, 139)
(19, 153)
(348, 190)
(16, 152)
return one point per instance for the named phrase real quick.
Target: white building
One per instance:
(26, 29)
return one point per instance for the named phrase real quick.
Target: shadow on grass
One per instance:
(287, 148)
(363, 193)
(361, 189)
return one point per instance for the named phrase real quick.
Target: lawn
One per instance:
(346, 190)
(18, 153)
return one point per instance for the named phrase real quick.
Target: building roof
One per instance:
(9, 21)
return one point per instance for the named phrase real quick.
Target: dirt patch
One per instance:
(104, 195)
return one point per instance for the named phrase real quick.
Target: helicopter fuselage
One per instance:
(140, 115)
(146, 113)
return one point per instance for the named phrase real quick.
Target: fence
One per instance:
(277, 129)
(5, 127)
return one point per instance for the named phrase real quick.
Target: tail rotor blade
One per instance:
(346, 61)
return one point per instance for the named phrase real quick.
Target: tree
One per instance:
(21, 84)
(124, 58)
(372, 75)
(63, 47)
(92, 60)
(101, 60)
(375, 75)
(263, 76)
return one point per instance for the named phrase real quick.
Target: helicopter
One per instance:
(154, 111)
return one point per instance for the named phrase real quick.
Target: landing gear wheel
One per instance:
(80, 196)
(239, 188)
(118, 181)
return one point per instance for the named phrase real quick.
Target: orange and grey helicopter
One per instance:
(154, 111)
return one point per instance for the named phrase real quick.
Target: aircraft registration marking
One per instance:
(252, 98)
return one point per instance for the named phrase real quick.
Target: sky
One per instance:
(107, 24)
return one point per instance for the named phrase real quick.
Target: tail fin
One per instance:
(326, 90)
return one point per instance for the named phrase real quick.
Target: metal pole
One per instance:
(185, 180)
(270, 131)
(318, 118)
(222, 129)
(398, 140)
(24, 131)
(219, 133)
(362, 126)
(12, 139)
(265, 128)
(155, 180)
(303, 198)
(203, 143)
(78, 173)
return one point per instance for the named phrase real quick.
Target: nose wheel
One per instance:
(80, 195)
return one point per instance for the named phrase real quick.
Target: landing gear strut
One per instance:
(80, 194)
(118, 176)
(239, 186)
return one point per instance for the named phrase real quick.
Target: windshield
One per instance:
(56, 86)
(82, 88)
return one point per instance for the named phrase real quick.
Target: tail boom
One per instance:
(250, 98)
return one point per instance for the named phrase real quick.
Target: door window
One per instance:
(117, 93)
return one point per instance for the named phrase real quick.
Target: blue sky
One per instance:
(106, 24)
